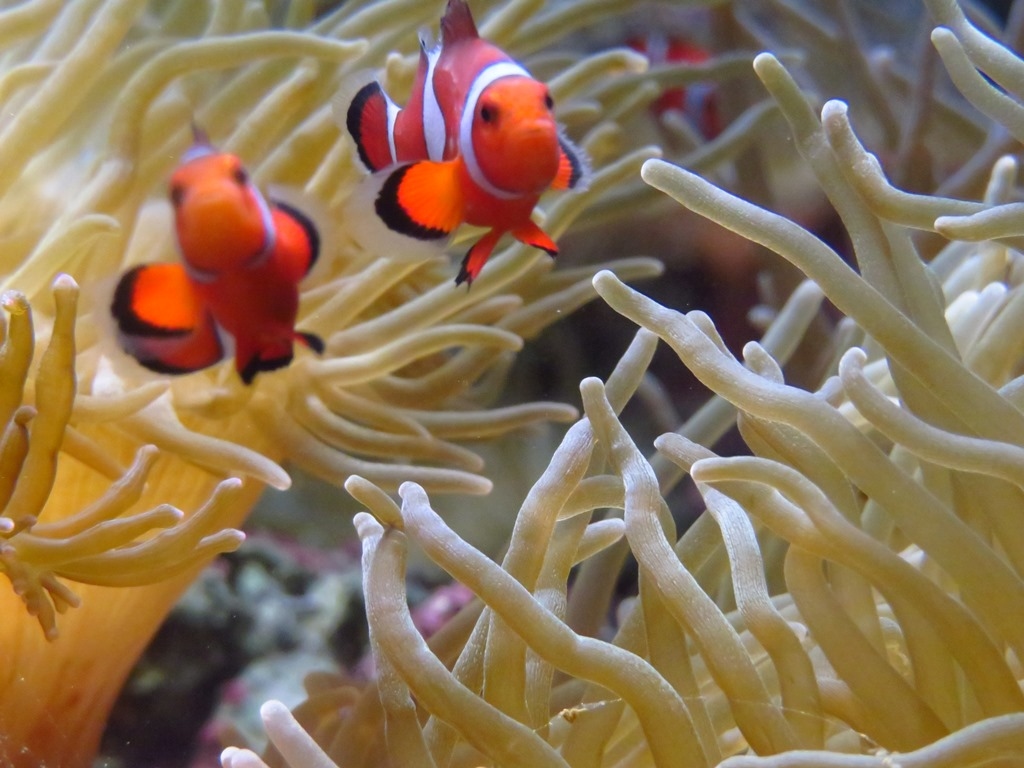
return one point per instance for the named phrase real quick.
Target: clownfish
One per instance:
(242, 259)
(477, 143)
(698, 103)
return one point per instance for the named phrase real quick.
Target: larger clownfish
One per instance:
(476, 143)
(242, 259)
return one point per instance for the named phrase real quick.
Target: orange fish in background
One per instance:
(476, 143)
(698, 103)
(242, 260)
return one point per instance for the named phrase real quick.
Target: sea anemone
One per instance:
(98, 102)
(849, 597)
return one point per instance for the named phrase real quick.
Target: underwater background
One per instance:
(735, 480)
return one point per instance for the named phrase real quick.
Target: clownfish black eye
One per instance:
(177, 195)
(548, 101)
(488, 113)
(240, 176)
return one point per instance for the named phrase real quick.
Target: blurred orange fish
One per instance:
(242, 259)
(477, 143)
(698, 103)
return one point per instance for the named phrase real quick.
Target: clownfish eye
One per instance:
(548, 101)
(177, 195)
(488, 113)
(240, 176)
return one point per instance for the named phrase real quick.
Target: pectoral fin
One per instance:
(573, 166)
(536, 237)
(422, 200)
(162, 322)
(298, 239)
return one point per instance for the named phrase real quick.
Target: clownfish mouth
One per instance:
(537, 128)
(534, 139)
(538, 124)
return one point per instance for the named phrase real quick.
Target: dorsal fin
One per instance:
(457, 23)
(199, 136)
(201, 145)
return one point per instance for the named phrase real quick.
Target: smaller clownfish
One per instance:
(698, 103)
(242, 259)
(476, 143)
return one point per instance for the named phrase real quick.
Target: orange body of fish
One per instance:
(476, 143)
(242, 259)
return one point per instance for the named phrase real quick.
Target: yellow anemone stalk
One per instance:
(98, 98)
(103, 545)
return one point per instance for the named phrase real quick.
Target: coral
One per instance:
(98, 100)
(851, 594)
